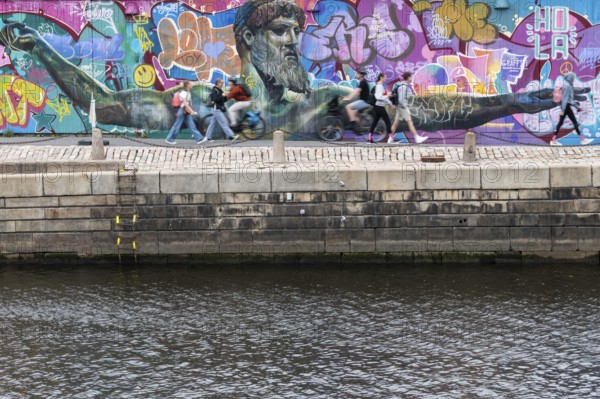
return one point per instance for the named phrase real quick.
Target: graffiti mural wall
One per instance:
(474, 66)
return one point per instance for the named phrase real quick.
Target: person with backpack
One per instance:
(182, 103)
(242, 101)
(379, 100)
(567, 102)
(216, 101)
(402, 111)
(355, 107)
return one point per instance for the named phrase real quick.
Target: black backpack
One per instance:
(372, 100)
(394, 96)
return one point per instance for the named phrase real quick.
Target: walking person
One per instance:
(242, 101)
(379, 111)
(566, 108)
(218, 106)
(362, 91)
(185, 113)
(402, 111)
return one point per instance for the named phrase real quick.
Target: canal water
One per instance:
(298, 332)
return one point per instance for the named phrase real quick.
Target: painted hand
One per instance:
(18, 37)
(536, 101)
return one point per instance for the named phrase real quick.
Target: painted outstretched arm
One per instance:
(111, 107)
(455, 111)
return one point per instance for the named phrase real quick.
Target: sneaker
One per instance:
(585, 141)
(204, 140)
(391, 140)
(234, 137)
(420, 139)
(170, 142)
(554, 142)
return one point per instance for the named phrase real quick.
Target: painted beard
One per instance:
(287, 72)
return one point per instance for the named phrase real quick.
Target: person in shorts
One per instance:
(402, 111)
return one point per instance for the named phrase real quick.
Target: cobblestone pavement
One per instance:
(155, 154)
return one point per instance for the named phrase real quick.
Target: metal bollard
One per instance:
(97, 145)
(470, 149)
(279, 155)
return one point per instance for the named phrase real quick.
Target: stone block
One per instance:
(565, 238)
(582, 219)
(387, 178)
(235, 242)
(21, 214)
(24, 185)
(284, 242)
(8, 227)
(448, 176)
(589, 238)
(596, 175)
(564, 206)
(507, 194)
(536, 194)
(65, 184)
(80, 243)
(517, 175)
(337, 241)
(188, 242)
(67, 213)
(331, 177)
(105, 183)
(189, 182)
(31, 202)
(532, 239)
(551, 219)
(77, 225)
(400, 240)
(586, 205)
(188, 199)
(570, 175)
(481, 239)
(494, 206)
(86, 200)
(245, 180)
(147, 182)
(350, 240)
(499, 219)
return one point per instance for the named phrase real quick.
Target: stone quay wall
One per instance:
(406, 213)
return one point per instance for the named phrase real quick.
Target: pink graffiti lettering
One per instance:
(347, 40)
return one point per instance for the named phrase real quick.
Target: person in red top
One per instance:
(242, 101)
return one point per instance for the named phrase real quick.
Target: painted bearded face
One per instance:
(275, 54)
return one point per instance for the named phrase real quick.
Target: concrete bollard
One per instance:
(279, 155)
(469, 151)
(97, 145)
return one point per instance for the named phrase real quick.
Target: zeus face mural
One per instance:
(474, 67)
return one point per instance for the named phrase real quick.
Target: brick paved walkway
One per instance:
(155, 157)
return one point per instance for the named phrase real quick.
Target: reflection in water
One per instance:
(414, 332)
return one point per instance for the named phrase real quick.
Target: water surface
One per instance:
(360, 332)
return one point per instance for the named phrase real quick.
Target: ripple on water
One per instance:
(277, 333)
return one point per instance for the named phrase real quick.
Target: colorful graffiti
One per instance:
(475, 67)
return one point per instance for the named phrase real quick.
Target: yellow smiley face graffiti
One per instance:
(144, 76)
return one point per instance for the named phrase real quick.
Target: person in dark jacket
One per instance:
(568, 101)
(218, 107)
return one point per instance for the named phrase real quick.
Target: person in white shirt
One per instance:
(402, 111)
(379, 111)
(184, 113)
